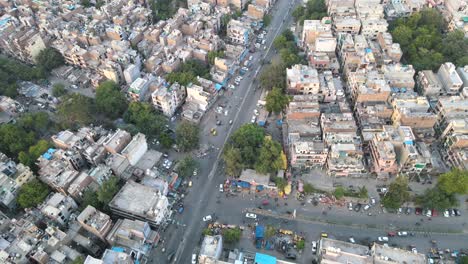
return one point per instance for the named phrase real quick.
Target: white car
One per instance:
(366, 207)
(221, 188)
(231, 86)
(250, 58)
(207, 218)
(383, 239)
(372, 200)
(263, 42)
(428, 213)
(446, 213)
(194, 258)
(250, 215)
(402, 233)
(351, 240)
(254, 118)
(414, 250)
(256, 112)
(314, 247)
(350, 206)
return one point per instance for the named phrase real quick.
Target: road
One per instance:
(182, 238)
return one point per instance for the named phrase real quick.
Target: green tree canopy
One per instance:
(213, 54)
(187, 136)
(397, 193)
(29, 158)
(308, 188)
(266, 20)
(270, 231)
(107, 190)
(32, 193)
(186, 166)
(276, 101)
(233, 159)
(110, 100)
(435, 198)
(281, 183)
(14, 139)
(37, 122)
(232, 235)
(454, 182)
(314, 10)
(339, 192)
(50, 59)
(145, 118)
(273, 75)
(248, 139)
(188, 72)
(75, 110)
(58, 89)
(269, 160)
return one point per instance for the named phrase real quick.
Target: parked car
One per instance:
(408, 210)
(357, 207)
(250, 215)
(230, 122)
(291, 255)
(434, 212)
(194, 258)
(366, 207)
(351, 240)
(402, 233)
(428, 213)
(382, 190)
(221, 188)
(414, 250)
(457, 212)
(350, 206)
(452, 212)
(400, 210)
(418, 211)
(190, 184)
(324, 235)
(383, 239)
(391, 234)
(230, 86)
(207, 218)
(372, 201)
(446, 213)
(254, 118)
(314, 247)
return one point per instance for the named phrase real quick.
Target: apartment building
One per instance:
(95, 222)
(302, 79)
(345, 160)
(168, 100)
(312, 29)
(305, 154)
(383, 155)
(414, 111)
(238, 32)
(368, 87)
(429, 84)
(392, 50)
(399, 77)
(450, 79)
(370, 28)
(59, 207)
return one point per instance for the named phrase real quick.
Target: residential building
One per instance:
(138, 90)
(346, 24)
(95, 222)
(131, 73)
(383, 155)
(345, 160)
(12, 177)
(372, 27)
(135, 150)
(139, 202)
(391, 49)
(330, 251)
(450, 79)
(302, 79)
(312, 29)
(117, 141)
(134, 235)
(112, 256)
(308, 154)
(414, 111)
(463, 73)
(168, 100)
(396, 8)
(368, 86)
(399, 77)
(256, 11)
(429, 84)
(392, 255)
(238, 32)
(58, 207)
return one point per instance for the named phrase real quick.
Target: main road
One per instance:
(182, 238)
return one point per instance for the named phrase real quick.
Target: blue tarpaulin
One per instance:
(243, 184)
(259, 187)
(264, 259)
(118, 249)
(49, 154)
(218, 86)
(259, 231)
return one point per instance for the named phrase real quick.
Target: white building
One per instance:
(135, 149)
(168, 100)
(131, 73)
(59, 207)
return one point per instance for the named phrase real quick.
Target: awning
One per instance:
(218, 86)
(264, 259)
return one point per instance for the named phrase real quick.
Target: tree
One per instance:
(75, 110)
(32, 193)
(232, 235)
(290, 57)
(248, 140)
(437, 199)
(145, 118)
(110, 100)
(274, 75)
(213, 54)
(270, 231)
(188, 72)
(187, 136)
(314, 10)
(37, 122)
(308, 188)
(107, 190)
(29, 158)
(269, 159)
(454, 182)
(58, 89)
(363, 192)
(300, 245)
(280, 42)
(165, 140)
(78, 260)
(186, 167)
(90, 198)
(14, 139)
(49, 59)
(339, 192)
(276, 101)
(464, 260)
(397, 193)
(233, 159)
(281, 183)
(266, 20)
(402, 35)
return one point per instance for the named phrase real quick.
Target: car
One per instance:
(457, 212)
(391, 234)
(452, 212)
(165, 155)
(194, 258)
(446, 213)
(221, 188)
(428, 213)
(230, 122)
(291, 255)
(402, 233)
(351, 240)
(366, 207)
(400, 210)
(350, 206)
(237, 82)
(251, 216)
(372, 201)
(230, 86)
(314, 247)
(408, 210)
(180, 210)
(207, 218)
(414, 250)
(263, 42)
(357, 207)
(190, 184)
(383, 239)
(256, 112)
(418, 211)
(434, 212)
(250, 58)
(254, 119)
(382, 190)
(324, 235)
(218, 123)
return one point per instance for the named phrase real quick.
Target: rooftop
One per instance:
(335, 251)
(252, 177)
(209, 245)
(386, 255)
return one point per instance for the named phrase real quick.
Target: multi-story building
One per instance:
(135, 150)
(308, 154)
(139, 202)
(345, 160)
(391, 49)
(372, 27)
(399, 77)
(414, 111)
(238, 32)
(12, 177)
(383, 155)
(449, 78)
(312, 29)
(429, 84)
(117, 141)
(95, 222)
(58, 207)
(168, 100)
(368, 86)
(302, 79)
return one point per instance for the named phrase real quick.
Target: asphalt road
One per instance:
(182, 238)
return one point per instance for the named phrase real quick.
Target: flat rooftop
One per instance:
(335, 251)
(383, 254)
